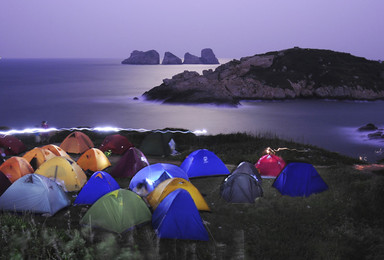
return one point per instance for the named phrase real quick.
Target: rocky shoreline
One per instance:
(288, 74)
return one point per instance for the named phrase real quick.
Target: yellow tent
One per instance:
(37, 156)
(15, 168)
(93, 159)
(65, 171)
(76, 142)
(164, 188)
(56, 150)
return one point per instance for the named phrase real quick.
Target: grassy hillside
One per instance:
(344, 222)
(322, 67)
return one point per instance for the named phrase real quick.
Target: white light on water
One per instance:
(200, 132)
(99, 129)
(28, 131)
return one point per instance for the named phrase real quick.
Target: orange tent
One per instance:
(76, 142)
(93, 159)
(37, 156)
(164, 188)
(56, 150)
(16, 167)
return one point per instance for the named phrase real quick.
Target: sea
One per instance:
(105, 93)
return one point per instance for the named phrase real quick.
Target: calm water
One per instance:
(71, 93)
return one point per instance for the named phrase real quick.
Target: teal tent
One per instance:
(34, 193)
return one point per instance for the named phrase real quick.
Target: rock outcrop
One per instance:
(191, 59)
(287, 74)
(170, 58)
(143, 58)
(207, 57)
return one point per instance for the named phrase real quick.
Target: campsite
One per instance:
(341, 219)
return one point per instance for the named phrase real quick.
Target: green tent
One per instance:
(157, 144)
(118, 211)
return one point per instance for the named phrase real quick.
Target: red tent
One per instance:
(4, 183)
(118, 144)
(12, 145)
(270, 165)
(130, 163)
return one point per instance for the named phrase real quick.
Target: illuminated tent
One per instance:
(34, 193)
(146, 180)
(4, 183)
(64, 171)
(164, 188)
(12, 145)
(243, 185)
(157, 144)
(118, 144)
(270, 165)
(56, 150)
(16, 167)
(299, 179)
(203, 163)
(37, 156)
(177, 217)
(76, 142)
(93, 159)
(132, 161)
(97, 186)
(117, 211)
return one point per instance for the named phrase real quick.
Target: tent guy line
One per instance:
(99, 129)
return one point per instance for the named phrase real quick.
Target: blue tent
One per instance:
(97, 186)
(203, 163)
(150, 176)
(177, 217)
(299, 179)
(34, 193)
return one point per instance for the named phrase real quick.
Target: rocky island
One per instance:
(286, 74)
(152, 57)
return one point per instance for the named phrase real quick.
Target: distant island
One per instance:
(152, 57)
(287, 74)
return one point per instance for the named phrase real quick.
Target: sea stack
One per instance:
(170, 58)
(150, 57)
(191, 59)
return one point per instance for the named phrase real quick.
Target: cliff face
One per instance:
(286, 74)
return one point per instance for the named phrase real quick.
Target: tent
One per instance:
(4, 183)
(177, 217)
(299, 179)
(117, 211)
(132, 161)
(249, 168)
(243, 185)
(56, 150)
(270, 165)
(34, 193)
(16, 167)
(76, 142)
(93, 159)
(64, 171)
(12, 145)
(203, 163)
(164, 188)
(146, 179)
(37, 156)
(118, 144)
(157, 144)
(97, 186)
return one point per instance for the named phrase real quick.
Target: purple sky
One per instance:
(233, 29)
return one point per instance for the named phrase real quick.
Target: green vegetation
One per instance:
(323, 68)
(345, 222)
